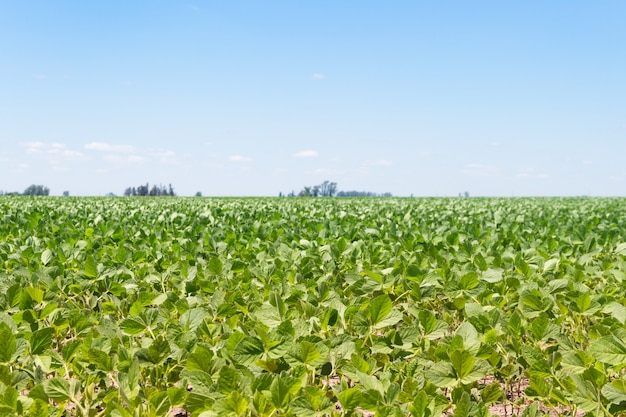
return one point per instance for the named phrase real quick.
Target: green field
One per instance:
(312, 307)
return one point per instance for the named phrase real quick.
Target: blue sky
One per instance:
(256, 98)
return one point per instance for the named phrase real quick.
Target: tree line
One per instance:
(329, 189)
(32, 190)
(146, 191)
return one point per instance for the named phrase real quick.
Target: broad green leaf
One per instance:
(215, 266)
(492, 275)
(7, 343)
(282, 390)
(247, 350)
(39, 408)
(462, 362)
(491, 393)
(350, 398)
(419, 408)
(468, 333)
(380, 307)
(441, 375)
(100, 359)
(133, 325)
(91, 269)
(462, 408)
(609, 349)
(156, 353)
(307, 353)
(233, 404)
(46, 257)
(193, 318)
(57, 389)
(615, 391)
(41, 340)
(228, 380)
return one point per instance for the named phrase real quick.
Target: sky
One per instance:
(255, 98)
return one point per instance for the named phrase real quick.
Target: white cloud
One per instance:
(107, 147)
(306, 154)
(479, 170)
(495, 143)
(53, 152)
(318, 76)
(239, 158)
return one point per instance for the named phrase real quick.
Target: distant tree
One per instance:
(315, 191)
(66, 193)
(198, 194)
(328, 189)
(37, 190)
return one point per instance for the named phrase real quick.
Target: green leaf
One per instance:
(492, 275)
(38, 409)
(156, 353)
(177, 395)
(41, 340)
(193, 318)
(442, 375)
(100, 359)
(609, 349)
(463, 363)
(7, 343)
(215, 266)
(91, 269)
(350, 398)
(133, 325)
(228, 380)
(306, 353)
(468, 333)
(282, 390)
(462, 408)
(57, 389)
(380, 307)
(235, 404)
(615, 391)
(46, 257)
(419, 408)
(491, 393)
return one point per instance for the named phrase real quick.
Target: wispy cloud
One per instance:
(587, 162)
(239, 158)
(318, 76)
(306, 154)
(52, 151)
(107, 147)
(480, 170)
(40, 76)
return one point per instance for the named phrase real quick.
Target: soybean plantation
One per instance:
(312, 307)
